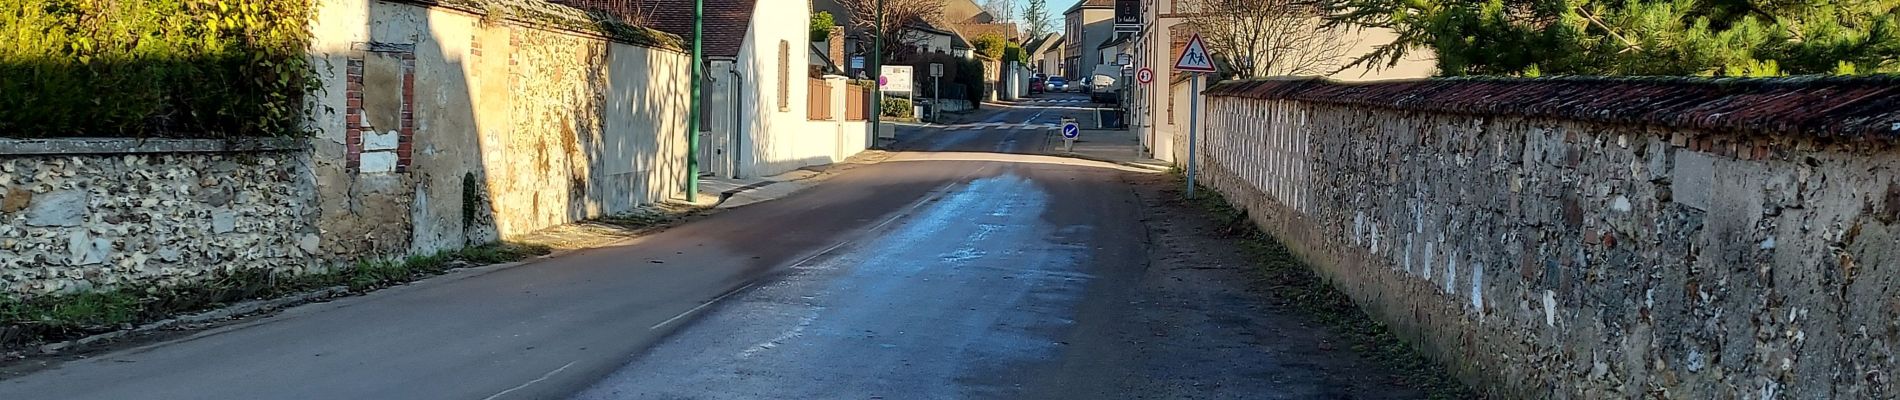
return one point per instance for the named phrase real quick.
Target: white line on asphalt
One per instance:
(536, 380)
(1039, 113)
(683, 314)
(887, 221)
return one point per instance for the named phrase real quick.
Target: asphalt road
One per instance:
(962, 267)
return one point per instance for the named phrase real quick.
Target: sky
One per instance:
(1056, 7)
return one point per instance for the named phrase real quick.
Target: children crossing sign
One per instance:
(1195, 58)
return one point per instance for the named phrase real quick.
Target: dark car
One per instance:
(1057, 84)
(1035, 85)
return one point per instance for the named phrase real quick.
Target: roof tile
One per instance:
(726, 20)
(1843, 107)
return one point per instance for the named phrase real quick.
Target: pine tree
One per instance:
(1637, 37)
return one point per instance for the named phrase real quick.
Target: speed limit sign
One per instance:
(1145, 76)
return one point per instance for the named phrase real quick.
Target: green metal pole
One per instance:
(876, 108)
(694, 107)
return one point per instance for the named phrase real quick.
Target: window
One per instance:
(784, 76)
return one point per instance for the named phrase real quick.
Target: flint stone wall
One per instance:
(1592, 238)
(124, 212)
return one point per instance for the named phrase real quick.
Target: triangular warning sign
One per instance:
(1195, 58)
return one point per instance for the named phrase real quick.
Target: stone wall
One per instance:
(441, 124)
(1593, 239)
(455, 126)
(80, 214)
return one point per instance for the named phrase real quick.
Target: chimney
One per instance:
(836, 49)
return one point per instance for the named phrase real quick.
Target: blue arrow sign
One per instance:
(1070, 131)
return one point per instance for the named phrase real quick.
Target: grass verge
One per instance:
(63, 317)
(1298, 286)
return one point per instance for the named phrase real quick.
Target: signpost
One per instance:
(1194, 60)
(1127, 15)
(1070, 132)
(936, 85)
(895, 78)
(1145, 76)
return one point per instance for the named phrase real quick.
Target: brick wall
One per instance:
(1593, 238)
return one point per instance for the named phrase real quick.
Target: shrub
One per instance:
(153, 68)
(898, 108)
(969, 73)
(821, 24)
(1013, 52)
(989, 45)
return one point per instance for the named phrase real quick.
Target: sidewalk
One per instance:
(1116, 146)
(722, 193)
(719, 192)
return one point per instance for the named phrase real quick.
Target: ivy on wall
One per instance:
(154, 68)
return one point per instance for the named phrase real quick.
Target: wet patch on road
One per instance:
(953, 301)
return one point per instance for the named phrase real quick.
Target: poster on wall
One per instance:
(1128, 15)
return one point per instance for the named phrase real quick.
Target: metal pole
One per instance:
(695, 107)
(1194, 127)
(876, 108)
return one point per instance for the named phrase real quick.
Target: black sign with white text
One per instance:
(1127, 15)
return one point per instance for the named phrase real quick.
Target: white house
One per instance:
(758, 119)
(1045, 53)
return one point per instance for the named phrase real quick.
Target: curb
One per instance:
(263, 306)
(227, 312)
(1150, 167)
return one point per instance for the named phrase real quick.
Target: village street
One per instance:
(964, 266)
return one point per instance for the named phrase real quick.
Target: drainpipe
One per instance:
(738, 119)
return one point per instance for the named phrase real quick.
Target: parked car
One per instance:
(1057, 84)
(1035, 85)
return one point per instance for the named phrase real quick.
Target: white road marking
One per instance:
(887, 221)
(683, 314)
(536, 380)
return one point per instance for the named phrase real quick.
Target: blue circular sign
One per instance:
(1070, 131)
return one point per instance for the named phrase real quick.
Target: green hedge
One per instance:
(898, 108)
(153, 68)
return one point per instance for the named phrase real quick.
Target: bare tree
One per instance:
(899, 17)
(1036, 19)
(1260, 38)
(1002, 10)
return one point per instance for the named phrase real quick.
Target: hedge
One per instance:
(154, 68)
(898, 108)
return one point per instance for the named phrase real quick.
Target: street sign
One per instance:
(895, 78)
(1124, 59)
(936, 70)
(1127, 15)
(1145, 76)
(1195, 58)
(1070, 131)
